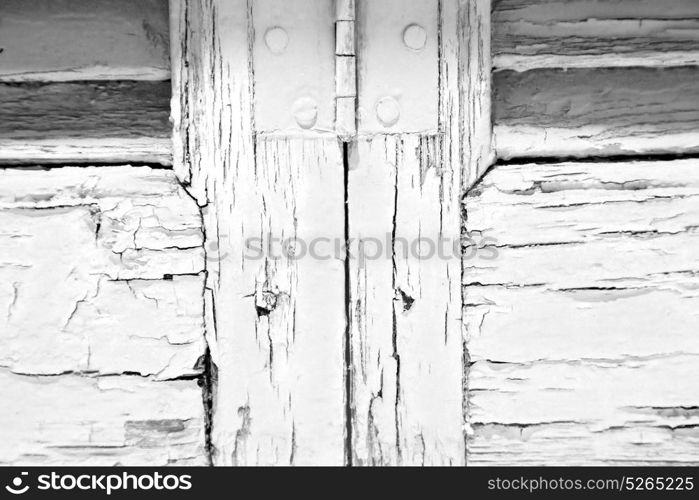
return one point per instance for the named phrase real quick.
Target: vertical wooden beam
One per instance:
(179, 102)
(408, 360)
(278, 395)
(406, 304)
(468, 128)
(474, 40)
(274, 325)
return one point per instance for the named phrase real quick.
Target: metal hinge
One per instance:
(346, 67)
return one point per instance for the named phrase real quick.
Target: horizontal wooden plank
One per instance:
(526, 324)
(581, 316)
(570, 443)
(601, 393)
(93, 261)
(82, 151)
(585, 224)
(74, 186)
(83, 110)
(596, 112)
(570, 202)
(618, 261)
(62, 40)
(593, 33)
(119, 329)
(576, 10)
(125, 420)
(86, 121)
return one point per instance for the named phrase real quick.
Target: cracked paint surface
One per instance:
(94, 262)
(136, 329)
(575, 330)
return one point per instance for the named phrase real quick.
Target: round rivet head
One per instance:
(305, 112)
(388, 111)
(276, 40)
(415, 37)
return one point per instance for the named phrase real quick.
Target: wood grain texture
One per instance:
(64, 40)
(467, 51)
(592, 34)
(275, 327)
(85, 151)
(405, 311)
(596, 112)
(89, 257)
(593, 265)
(86, 121)
(108, 421)
(408, 365)
(84, 109)
(283, 361)
(93, 262)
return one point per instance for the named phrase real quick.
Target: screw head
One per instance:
(305, 111)
(388, 111)
(276, 39)
(415, 37)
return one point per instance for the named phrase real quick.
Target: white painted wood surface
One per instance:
(596, 112)
(23, 152)
(70, 40)
(407, 358)
(93, 262)
(276, 328)
(91, 421)
(89, 122)
(468, 53)
(557, 351)
(405, 311)
(582, 332)
(594, 34)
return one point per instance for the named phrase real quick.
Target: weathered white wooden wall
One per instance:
(141, 325)
(103, 122)
(595, 78)
(594, 34)
(308, 372)
(581, 318)
(276, 327)
(102, 346)
(102, 330)
(583, 331)
(84, 81)
(71, 40)
(404, 183)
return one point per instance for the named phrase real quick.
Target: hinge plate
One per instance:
(316, 61)
(398, 66)
(294, 65)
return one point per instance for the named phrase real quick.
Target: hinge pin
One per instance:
(345, 70)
